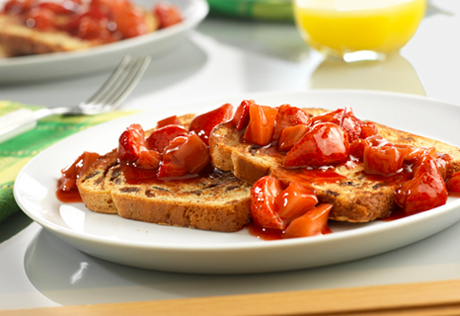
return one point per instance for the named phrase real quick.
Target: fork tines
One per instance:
(119, 85)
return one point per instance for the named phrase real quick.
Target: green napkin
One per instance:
(16, 152)
(270, 10)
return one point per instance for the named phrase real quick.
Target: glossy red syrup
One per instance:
(272, 234)
(67, 190)
(454, 194)
(71, 196)
(397, 213)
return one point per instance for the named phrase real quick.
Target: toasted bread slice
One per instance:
(215, 201)
(19, 40)
(16, 39)
(356, 197)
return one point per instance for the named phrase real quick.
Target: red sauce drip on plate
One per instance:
(397, 213)
(272, 234)
(67, 190)
(71, 196)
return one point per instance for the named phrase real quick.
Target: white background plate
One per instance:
(176, 249)
(56, 65)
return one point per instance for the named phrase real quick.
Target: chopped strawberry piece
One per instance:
(168, 14)
(408, 151)
(335, 117)
(425, 191)
(161, 137)
(131, 142)
(368, 129)
(70, 7)
(324, 144)
(241, 116)
(295, 200)
(261, 124)
(16, 7)
(171, 169)
(148, 159)
(131, 23)
(383, 160)
(41, 18)
(376, 140)
(348, 121)
(112, 7)
(134, 149)
(453, 184)
(185, 154)
(352, 125)
(444, 162)
(263, 207)
(170, 166)
(289, 116)
(290, 136)
(171, 120)
(313, 222)
(357, 148)
(413, 154)
(93, 24)
(193, 154)
(204, 123)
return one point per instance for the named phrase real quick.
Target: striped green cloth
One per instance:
(16, 152)
(269, 10)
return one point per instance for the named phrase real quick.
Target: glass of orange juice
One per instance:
(358, 29)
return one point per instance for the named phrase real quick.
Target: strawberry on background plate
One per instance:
(168, 14)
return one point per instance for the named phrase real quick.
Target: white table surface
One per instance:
(225, 58)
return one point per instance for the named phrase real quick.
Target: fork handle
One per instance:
(16, 123)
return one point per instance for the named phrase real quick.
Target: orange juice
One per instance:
(341, 26)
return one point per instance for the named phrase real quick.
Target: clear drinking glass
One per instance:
(358, 29)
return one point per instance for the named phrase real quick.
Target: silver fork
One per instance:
(109, 97)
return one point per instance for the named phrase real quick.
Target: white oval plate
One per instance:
(178, 249)
(69, 64)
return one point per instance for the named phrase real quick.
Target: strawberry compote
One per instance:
(67, 190)
(103, 21)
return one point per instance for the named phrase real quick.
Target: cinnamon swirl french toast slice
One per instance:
(301, 146)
